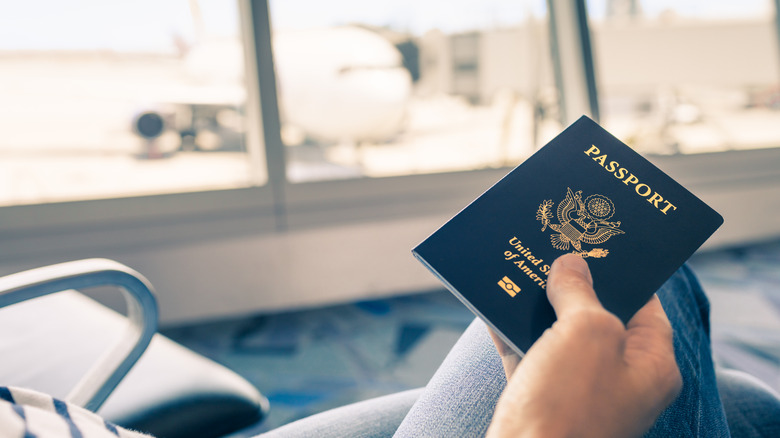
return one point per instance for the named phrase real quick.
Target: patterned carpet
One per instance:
(309, 361)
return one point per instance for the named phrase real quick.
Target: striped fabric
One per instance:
(29, 414)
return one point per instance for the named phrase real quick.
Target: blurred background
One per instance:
(277, 160)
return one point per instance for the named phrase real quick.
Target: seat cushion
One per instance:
(48, 343)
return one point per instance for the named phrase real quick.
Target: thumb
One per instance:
(570, 286)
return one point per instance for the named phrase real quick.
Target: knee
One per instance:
(752, 408)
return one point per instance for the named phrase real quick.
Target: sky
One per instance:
(152, 25)
(417, 16)
(129, 25)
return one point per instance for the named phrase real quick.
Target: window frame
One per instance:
(85, 228)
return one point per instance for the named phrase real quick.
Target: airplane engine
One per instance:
(149, 124)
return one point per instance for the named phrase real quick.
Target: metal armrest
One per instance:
(93, 389)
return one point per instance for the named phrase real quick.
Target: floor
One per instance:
(309, 361)
(743, 285)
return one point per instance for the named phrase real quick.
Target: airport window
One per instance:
(116, 99)
(687, 77)
(411, 87)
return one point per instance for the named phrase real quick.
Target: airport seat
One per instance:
(51, 341)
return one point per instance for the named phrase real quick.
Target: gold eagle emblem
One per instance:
(580, 222)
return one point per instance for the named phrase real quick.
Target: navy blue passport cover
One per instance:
(584, 192)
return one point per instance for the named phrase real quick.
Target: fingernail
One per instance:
(571, 262)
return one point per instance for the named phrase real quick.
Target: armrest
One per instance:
(93, 389)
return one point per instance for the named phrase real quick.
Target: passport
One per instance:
(587, 193)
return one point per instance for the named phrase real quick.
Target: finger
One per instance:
(651, 315)
(651, 341)
(509, 358)
(501, 346)
(570, 286)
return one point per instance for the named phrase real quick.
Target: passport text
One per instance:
(629, 179)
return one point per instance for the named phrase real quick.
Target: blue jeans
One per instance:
(460, 398)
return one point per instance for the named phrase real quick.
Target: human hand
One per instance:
(588, 375)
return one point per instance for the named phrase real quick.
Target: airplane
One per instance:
(343, 84)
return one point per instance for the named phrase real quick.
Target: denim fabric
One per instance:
(698, 411)
(752, 407)
(375, 418)
(461, 397)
